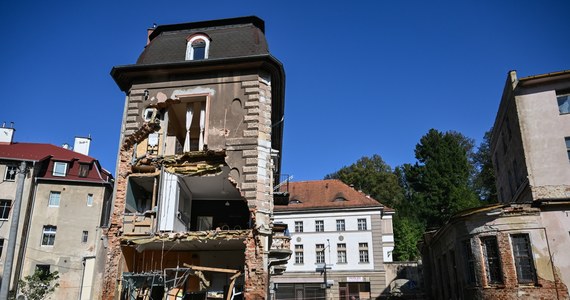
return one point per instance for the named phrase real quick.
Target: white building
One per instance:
(332, 223)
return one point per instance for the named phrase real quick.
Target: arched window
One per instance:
(197, 47)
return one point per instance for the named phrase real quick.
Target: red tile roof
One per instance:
(46, 154)
(325, 194)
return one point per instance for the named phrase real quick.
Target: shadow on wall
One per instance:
(405, 281)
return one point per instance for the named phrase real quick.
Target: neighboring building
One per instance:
(332, 223)
(199, 154)
(66, 200)
(516, 249)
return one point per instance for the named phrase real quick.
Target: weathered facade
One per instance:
(332, 223)
(64, 206)
(516, 249)
(199, 155)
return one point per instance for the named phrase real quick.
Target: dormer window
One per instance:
(59, 169)
(197, 47)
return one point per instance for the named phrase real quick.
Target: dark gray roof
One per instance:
(229, 38)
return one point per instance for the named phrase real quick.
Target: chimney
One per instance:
(7, 134)
(149, 32)
(81, 145)
(65, 146)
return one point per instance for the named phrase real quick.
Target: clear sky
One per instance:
(363, 77)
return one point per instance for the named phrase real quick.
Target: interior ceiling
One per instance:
(214, 187)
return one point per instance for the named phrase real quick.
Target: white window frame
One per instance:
(52, 196)
(362, 224)
(298, 226)
(89, 199)
(340, 225)
(190, 49)
(319, 225)
(341, 253)
(363, 253)
(299, 255)
(6, 205)
(55, 168)
(47, 232)
(320, 253)
(8, 167)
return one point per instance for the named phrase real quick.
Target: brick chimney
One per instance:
(7, 134)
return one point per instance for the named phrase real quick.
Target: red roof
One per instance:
(330, 193)
(48, 153)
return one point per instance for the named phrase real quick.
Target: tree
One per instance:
(484, 180)
(39, 285)
(374, 177)
(407, 232)
(439, 181)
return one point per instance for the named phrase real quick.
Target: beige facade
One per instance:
(199, 154)
(517, 248)
(60, 217)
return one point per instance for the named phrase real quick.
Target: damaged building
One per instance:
(517, 248)
(199, 156)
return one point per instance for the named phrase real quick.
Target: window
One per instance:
(362, 224)
(492, 260)
(298, 226)
(59, 168)
(48, 237)
(89, 199)
(299, 255)
(5, 206)
(340, 225)
(567, 139)
(43, 271)
(522, 252)
(10, 174)
(319, 225)
(563, 104)
(469, 262)
(85, 236)
(341, 253)
(83, 170)
(54, 198)
(320, 253)
(1, 246)
(363, 252)
(197, 47)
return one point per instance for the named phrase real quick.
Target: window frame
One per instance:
(469, 263)
(84, 236)
(493, 265)
(341, 257)
(190, 54)
(528, 257)
(52, 193)
(83, 170)
(320, 253)
(7, 170)
(319, 225)
(1, 247)
(563, 99)
(363, 254)
(340, 225)
(5, 208)
(362, 224)
(567, 141)
(55, 171)
(90, 199)
(298, 226)
(299, 255)
(48, 235)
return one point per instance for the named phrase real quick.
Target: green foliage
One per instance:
(440, 180)
(374, 177)
(484, 180)
(407, 232)
(39, 285)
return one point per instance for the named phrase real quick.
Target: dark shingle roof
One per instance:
(229, 38)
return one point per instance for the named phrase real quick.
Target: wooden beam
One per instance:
(231, 271)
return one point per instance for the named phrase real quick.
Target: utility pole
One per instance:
(7, 272)
(323, 270)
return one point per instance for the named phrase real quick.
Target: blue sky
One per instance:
(363, 77)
